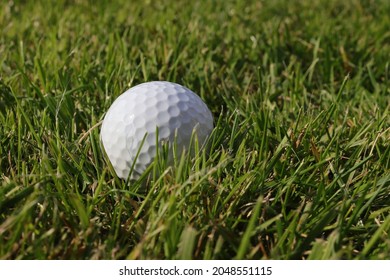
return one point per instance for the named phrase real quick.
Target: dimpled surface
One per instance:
(139, 111)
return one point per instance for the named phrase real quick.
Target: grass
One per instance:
(300, 156)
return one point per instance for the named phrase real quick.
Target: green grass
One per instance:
(299, 160)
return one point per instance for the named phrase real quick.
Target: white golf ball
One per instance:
(139, 112)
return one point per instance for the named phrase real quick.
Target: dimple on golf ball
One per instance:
(147, 115)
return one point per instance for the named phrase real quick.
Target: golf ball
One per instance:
(147, 115)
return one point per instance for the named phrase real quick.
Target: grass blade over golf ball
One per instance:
(169, 109)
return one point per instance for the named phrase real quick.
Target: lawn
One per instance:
(298, 165)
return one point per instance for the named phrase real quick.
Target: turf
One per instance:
(299, 160)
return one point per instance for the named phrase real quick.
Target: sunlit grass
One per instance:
(298, 163)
